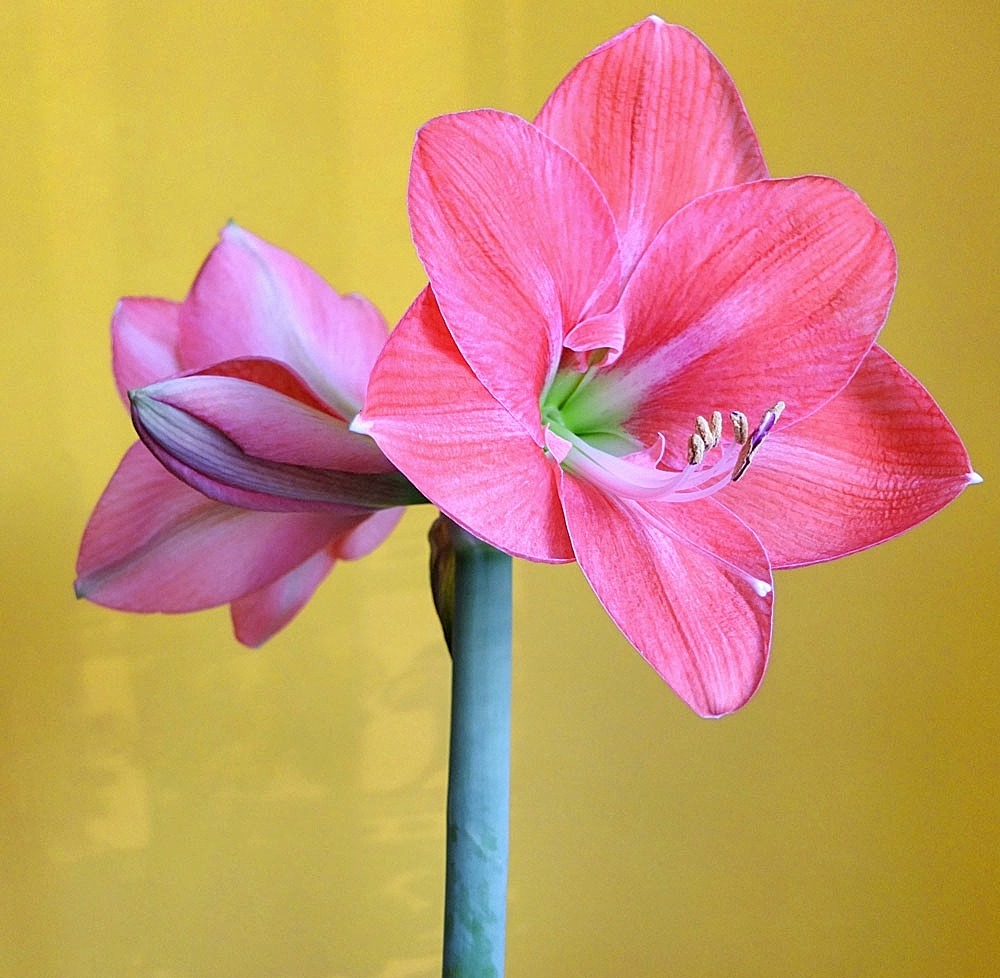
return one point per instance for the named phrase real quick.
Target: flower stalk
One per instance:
(479, 765)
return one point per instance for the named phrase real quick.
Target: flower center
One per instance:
(587, 439)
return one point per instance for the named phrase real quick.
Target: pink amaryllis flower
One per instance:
(639, 352)
(244, 391)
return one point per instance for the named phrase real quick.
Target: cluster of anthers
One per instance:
(708, 434)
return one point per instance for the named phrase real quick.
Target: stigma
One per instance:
(752, 442)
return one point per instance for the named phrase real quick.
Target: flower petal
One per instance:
(270, 423)
(876, 460)
(518, 243)
(706, 525)
(366, 536)
(768, 291)
(252, 299)
(200, 453)
(154, 544)
(144, 338)
(433, 418)
(261, 614)
(658, 121)
(702, 625)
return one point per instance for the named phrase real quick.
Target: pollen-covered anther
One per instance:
(741, 427)
(716, 427)
(696, 448)
(704, 431)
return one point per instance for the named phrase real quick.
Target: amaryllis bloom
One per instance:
(244, 391)
(639, 352)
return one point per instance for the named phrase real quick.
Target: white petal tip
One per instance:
(974, 478)
(360, 426)
(762, 588)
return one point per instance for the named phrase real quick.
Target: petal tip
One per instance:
(973, 478)
(361, 426)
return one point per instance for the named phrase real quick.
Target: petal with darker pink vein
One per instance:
(518, 243)
(207, 459)
(466, 453)
(876, 460)
(658, 121)
(270, 424)
(763, 292)
(704, 626)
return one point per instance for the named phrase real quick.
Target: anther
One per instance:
(741, 427)
(696, 449)
(704, 431)
(716, 427)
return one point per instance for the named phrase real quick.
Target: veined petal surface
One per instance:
(702, 625)
(873, 462)
(518, 243)
(767, 291)
(657, 120)
(464, 451)
(270, 424)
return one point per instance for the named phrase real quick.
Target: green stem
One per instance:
(479, 766)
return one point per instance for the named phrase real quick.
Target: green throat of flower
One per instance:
(585, 435)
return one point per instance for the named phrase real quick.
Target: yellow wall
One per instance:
(175, 807)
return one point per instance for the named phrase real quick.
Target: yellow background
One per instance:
(176, 807)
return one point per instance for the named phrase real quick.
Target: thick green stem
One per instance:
(479, 766)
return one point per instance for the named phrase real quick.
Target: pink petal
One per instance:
(261, 614)
(701, 624)
(433, 418)
(658, 121)
(873, 462)
(366, 536)
(202, 454)
(706, 525)
(764, 292)
(153, 544)
(518, 244)
(144, 337)
(252, 299)
(270, 424)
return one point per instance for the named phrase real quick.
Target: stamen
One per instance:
(638, 475)
(704, 430)
(696, 448)
(741, 427)
(716, 427)
(756, 439)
